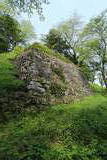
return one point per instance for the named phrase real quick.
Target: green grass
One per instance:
(98, 89)
(8, 73)
(49, 52)
(63, 132)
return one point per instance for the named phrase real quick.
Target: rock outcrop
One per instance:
(50, 80)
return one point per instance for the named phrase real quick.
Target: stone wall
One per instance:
(50, 80)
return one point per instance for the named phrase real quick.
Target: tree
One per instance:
(54, 41)
(27, 6)
(71, 32)
(6, 9)
(87, 72)
(10, 33)
(67, 38)
(28, 31)
(96, 35)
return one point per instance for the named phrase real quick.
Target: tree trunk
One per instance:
(103, 75)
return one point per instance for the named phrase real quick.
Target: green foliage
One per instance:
(55, 41)
(96, 33)
(87, 73)
(70, 31)
(63, 132)
(27, 6)
(9, 84)
(98, 89)
(5, 8)
(10, 33)
(27, 30)
(59, 72)
(8, 73)
(58, 89)
(44, 49)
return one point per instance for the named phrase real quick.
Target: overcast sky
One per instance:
(59, 10)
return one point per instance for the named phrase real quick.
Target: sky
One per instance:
(60, 10)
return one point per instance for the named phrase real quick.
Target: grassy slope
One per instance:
(64, 132)
(49, 52)
(8, 74)
(8, 80)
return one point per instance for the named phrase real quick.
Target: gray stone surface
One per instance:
(50, 80)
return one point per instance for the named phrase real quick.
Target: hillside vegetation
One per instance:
(50, 105)
(63, 132)
(8, 74)
(50, 78)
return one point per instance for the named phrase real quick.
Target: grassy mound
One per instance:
(63, 132)
(13, 95)
(45, 50)
(8, 73)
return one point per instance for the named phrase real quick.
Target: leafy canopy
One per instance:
(10, 33)
(28, 6)
(96, 35)
(55, 41)
(28, 31)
